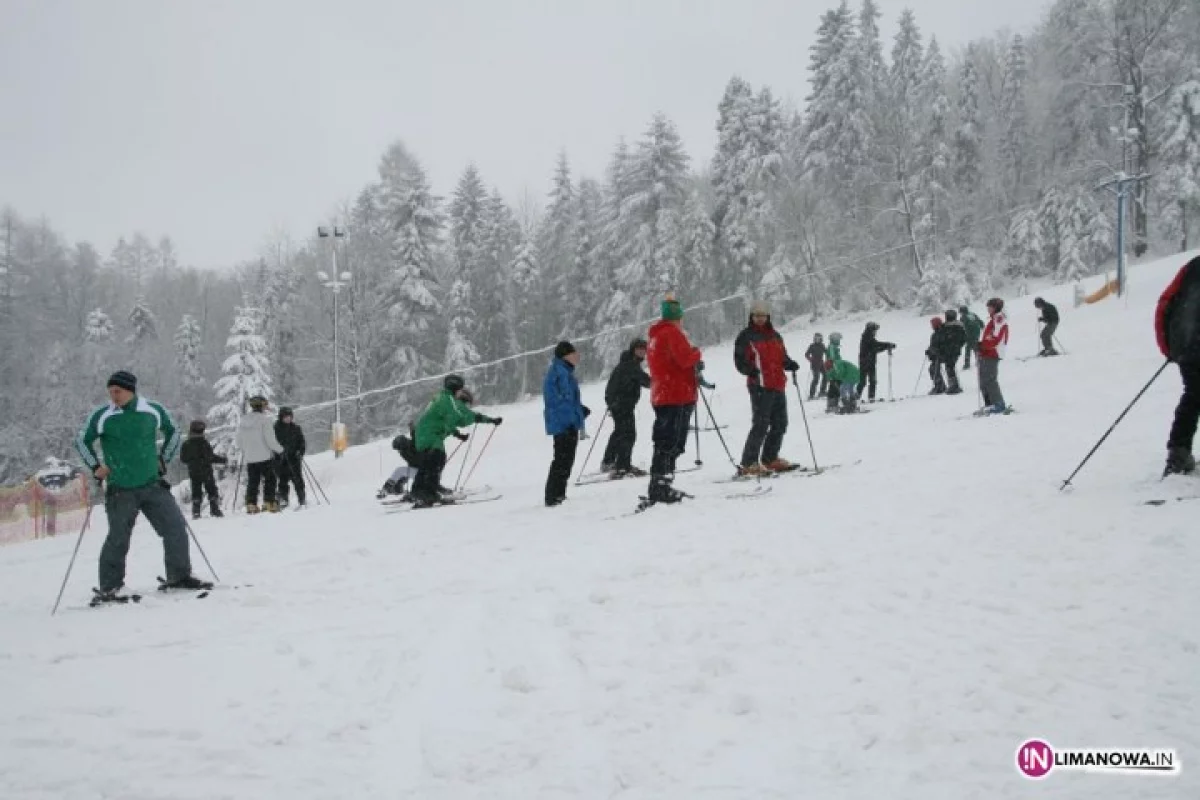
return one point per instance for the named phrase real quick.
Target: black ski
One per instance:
(99, 598)
(1167, 500)
(201, 590)
(396, 508)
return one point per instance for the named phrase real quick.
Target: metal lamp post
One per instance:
(335, 281)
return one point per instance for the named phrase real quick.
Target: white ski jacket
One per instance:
(256, 438)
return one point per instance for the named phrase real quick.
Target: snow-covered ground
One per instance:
(891, 629)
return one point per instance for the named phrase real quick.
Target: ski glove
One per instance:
(491, 420)
(705, 384)
(587, 412)
(790, 365)
(699, 366)
(462, 437)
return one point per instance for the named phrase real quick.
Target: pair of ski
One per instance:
(987, 412)
(482, 494)
(608, 477)
(99, 598)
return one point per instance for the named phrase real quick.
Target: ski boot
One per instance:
(252, 508)
(196, 514)
(1180, 461)
(954, 389)
(271, 507)
(778, 465)
(753, 470)
(216, 512)
(186, 582)
(283, 504)
(114, 595)
(661, 491)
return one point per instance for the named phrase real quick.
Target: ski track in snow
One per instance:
(892, 629)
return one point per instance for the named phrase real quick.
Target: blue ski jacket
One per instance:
(560, 393)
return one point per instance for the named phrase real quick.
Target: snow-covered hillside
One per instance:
(891, 629)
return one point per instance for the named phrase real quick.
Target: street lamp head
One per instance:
(345, 276)
(322, 275)
(339, 231)
(322, 231)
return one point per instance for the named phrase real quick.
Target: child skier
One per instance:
(869, 349)
(199, 457)
(815, 356)
(621, 395)
(843, 379)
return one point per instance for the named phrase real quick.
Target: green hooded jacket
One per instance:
(128, 437)
(443, 416)
(973, 324)
(843, 371)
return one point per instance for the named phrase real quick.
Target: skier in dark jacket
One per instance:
(954, 339)
(199, 457)
(935, 352)
(1177, 327)
(869, 349)
(974, 327)
(290, 465)
(621, 395)
(760, 354)
(815, 356)
(1049, 320)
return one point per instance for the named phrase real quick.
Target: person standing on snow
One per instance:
(954, 339)
(869, 349)
(991, 351)
(565, 416)
(291, 464)
(448, 411)
(935, 353)
(127, 430)
(974, 327)
(1177, 328)
(621, 395)
(760, 354)
(256, 440)
(843, 379)
(675, 367)
(1049, 320)
(815, 356)
(199, 457)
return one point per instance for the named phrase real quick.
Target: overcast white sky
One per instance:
(220, 121)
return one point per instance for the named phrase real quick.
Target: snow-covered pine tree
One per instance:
(556, 249)
(492, 297)
(837, 128)
(871, 45)
(467, 222)
(1055, 225)
(938, 157)
(98, 329)
(142, 324)
(1180, 154)
(246, 372)
(1016, 145)
(583, 291)
(460, 341)
(1026, 254)
(942, 286)
(968, 136)
(188, 338)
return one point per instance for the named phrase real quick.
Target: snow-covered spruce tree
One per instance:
(98, 329)
(492, 297)
(968, 136)
(556, 249)
(1026, 254)
(467, 222)
(188, 337)
(583, 290)
(837, 128)
(415, 337)
(937, 156)
(246, 373)
(1055, 226)
(1016, 145)
(525, 274)
(142, 324)
(460, 341)
(942, 286)
(1180, 154)
(778, 284)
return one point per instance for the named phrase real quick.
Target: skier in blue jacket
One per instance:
(564, 414)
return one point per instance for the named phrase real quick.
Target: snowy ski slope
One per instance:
(892, 629)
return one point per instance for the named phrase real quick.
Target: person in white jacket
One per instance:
(256, 440)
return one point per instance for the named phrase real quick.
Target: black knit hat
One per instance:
(638, 344)
(285, 412)
(563, 349)
(124, 379)
(197, 427)
(452, 383)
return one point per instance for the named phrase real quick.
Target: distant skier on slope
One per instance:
(974, 327)
(565, 416)
(954, 339)
(675, 367)
(760, 354)
(843, 379)
(869, 349)
(256, 439)
(1049, 321)
(1177, 328)
(815, 356)
(448, 411)
(991, 351)
(291, 463)
(621, 395)
(934, 353)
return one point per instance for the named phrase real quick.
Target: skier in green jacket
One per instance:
(446, 413)
(133, 465)
(843, 378)
(974, 326)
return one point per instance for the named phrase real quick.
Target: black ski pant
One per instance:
(618, 454)
(291, 471)
(989, 381)
(833, 396)
(768, 425)
(970, 348)
(261, 472)
(935, 374)
(671, 427)
(1048, 336)
(200, 485)
(951, 375)
(122, 506)
(867, 377)
(565, 445)
(818, 376)
(429, 475)
(1183, 430)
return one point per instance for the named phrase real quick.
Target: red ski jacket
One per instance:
(1177, 317)
(672, 361)
(760, 354)
(995, 337)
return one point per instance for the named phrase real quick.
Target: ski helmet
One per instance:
(835, 337)
(817, 337)
(638, 344)
(257, 402)
(453, 383)
(872, 326)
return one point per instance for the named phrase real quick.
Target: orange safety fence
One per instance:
(31, 511)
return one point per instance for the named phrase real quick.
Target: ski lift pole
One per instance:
(804, 415)
(237, 484)
(595, 438)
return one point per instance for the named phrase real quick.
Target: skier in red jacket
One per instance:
(760, 354)
(674, 365)
(991, 350)
(1177, 326)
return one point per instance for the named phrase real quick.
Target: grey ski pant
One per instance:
(158, 504)
(989, 381)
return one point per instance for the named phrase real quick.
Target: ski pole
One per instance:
(804, 415)
(1060, 344)
(890, 398)
(454, 452)
(312, 476)
(237, 484)
(466, 458)
(699, 463)
(87, 519)
(1091, 452)
(920, 372)
(201, 549)
(479, 457)
(717, 427)
(595, 438)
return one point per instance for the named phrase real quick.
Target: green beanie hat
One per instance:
(671, 308)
